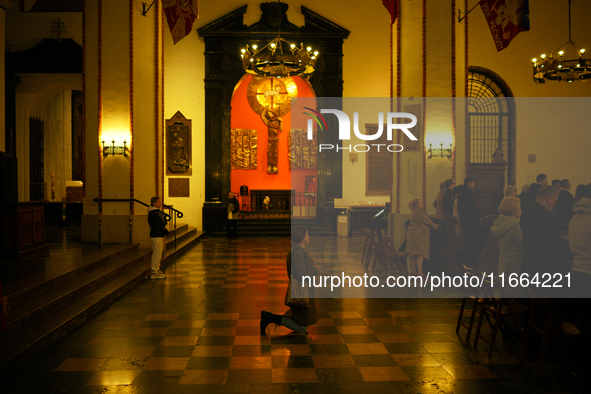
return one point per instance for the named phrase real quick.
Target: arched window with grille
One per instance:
(491, 113)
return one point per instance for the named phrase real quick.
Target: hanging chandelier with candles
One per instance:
(561, 68)
(273, 60)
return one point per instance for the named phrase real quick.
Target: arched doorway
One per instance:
(491, 137)
(491, 111)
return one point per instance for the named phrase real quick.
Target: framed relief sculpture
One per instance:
(178, 145)
(243, 149)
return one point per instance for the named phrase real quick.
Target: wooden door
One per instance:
(490, 182)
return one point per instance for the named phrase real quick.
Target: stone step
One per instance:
(19, 346)
(36, 285)
(180, 228)
(183, 242)
(29, 312)
(263, 227)
(280, 227)
(50, 309)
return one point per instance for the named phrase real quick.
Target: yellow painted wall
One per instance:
(144, 117)
(115, 102)
(184, 92)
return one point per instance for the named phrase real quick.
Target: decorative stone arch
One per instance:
(223, 39)
(489, 97)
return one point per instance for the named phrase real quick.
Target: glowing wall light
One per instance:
(440, 152)
(115, 150)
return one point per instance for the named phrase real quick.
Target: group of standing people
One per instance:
(453, 200)
(531, 242)
(459, 201)
(565, 201)
(528, 229)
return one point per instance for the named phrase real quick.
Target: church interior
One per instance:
(108, 103)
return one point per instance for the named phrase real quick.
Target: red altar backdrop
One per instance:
(244, 117)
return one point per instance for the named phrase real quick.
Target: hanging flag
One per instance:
(506, 19)
(392, 7)
(180, 15)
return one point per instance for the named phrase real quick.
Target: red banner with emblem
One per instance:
(506, 19)
(392, 7)
(180, 15)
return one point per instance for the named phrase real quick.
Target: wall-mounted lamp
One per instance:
(115, 150)
(442, 152)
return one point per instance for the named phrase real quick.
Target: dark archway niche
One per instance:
(224, 38)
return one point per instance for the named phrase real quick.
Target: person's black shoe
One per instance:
(268, 318)
(264, 321)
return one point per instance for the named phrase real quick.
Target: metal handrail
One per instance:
(178, 214)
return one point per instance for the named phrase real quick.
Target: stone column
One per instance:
(123, 91)
(430, 63)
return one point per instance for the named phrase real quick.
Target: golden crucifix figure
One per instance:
(273, 121)
(271, 99)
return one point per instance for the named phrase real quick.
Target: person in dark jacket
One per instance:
(541, 180)
(299, 263)
(543, 251)
(448, 197)
(565, 202)
(474, 234)
(232, 214)
(524, 196)
(579, 193)
(438, 203)
(158, 233)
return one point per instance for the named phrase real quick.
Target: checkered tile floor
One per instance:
(198, 331)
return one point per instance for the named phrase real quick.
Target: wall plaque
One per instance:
(178, 187)
(178, 145)
(378, 166)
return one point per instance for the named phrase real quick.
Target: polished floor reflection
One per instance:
(198, 331)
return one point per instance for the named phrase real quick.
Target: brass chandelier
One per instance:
(561, 68)
(273, 61)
